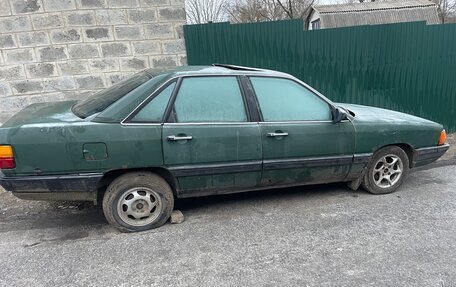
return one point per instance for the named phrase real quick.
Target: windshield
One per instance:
(100, 101)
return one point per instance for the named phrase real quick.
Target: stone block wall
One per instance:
(53, 50)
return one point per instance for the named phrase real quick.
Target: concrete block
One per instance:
(5, 89)
(80, 18)
(33, 39)
(128, 32)
(12, 72)
(111, 17)
(174, 47)
(41, 70)
(89, 82)
(104, 65)
(150, 47)
(152, 3)
(59, 5)
(5, 9)
(26, 87)
(122, 3)
(47, 97)
(183, 60)
(76, 95)
(83, 51)
(15, 24)
(53, 53)
(46, 21)
(7, 41)
(134, 64)
(115, 49)
(14, 104)
(163, 61)
(89, 4)
(19, 56)
(171, 14)
(59, 84)
(159, 31)
(179, 31)
(98, 34)
(73, 67)
(143, 15)
(117, 77)
(66, 36)
(27, 6)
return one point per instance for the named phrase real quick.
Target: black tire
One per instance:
(382, 178)
(145, 189)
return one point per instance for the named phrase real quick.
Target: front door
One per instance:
(301, 143)
(209, 144)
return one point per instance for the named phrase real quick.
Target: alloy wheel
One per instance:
(387, 171)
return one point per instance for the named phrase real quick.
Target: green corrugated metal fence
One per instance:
(409, 67)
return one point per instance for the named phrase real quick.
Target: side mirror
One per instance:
(339, 115)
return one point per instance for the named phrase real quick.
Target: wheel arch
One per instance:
(407, 148)
(111, 175)
(410, 151)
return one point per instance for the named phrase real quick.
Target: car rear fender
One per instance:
(111, 175)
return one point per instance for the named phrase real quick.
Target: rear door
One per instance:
(301, 143)
(209, 143)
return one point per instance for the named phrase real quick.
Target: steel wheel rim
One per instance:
(387, 171)
(139, 206)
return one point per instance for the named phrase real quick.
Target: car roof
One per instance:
(215, 69)
(117, 112)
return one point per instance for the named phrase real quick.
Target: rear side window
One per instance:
(103, 99)
(286, 100)
(209, 99)
(154, 110)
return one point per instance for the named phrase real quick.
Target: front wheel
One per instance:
(387, 170)
(138, 201)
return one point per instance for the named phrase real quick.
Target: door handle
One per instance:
(277, 134)
(179, 138)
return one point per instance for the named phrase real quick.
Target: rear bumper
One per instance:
(78, 187)
(428, 154)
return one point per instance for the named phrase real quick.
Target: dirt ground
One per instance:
(324, 235)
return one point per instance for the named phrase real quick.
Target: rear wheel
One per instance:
(138, 201)
(387, 170)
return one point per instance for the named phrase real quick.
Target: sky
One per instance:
(319, 2)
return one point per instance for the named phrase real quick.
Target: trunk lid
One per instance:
(42, 113)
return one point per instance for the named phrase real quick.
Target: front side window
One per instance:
(209, 99)
(154, 110)
(286, 100)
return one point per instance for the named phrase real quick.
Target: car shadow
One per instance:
(87, 216)
(263, 196)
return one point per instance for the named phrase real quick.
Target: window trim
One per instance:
(310, 89)
(249, 94)
(168, 119)
(150, 99)
(128, 119)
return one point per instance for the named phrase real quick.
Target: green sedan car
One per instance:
(195, 131)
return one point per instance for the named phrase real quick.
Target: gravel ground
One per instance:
(322, 235)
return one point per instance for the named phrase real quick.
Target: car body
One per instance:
(206, 130)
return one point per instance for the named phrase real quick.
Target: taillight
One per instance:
(6, 157)
(442, 137)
